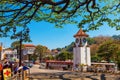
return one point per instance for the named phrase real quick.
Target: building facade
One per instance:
(28, 50)
(9, 54)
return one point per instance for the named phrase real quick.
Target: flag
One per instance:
(25, 68)
(21, 68)
(7, 73)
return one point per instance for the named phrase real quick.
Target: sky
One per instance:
(47, 34)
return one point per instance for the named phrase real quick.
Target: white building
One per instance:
(27, 51)
(10, 54)
(81, 50)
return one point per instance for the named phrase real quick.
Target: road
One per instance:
(36, 69)
(46, 74)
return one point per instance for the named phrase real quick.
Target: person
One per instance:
(1, 68)
(76, 67)
(102, 77)
(15, 67)
(5, 64)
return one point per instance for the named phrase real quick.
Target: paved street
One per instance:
(45, 74)
(36, 69)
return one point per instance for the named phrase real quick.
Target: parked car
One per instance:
(42, 65)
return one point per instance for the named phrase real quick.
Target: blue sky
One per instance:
(46, 34)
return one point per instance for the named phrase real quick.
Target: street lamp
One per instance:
(22, 36)
(29, 58)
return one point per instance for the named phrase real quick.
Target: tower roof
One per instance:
(81, 33)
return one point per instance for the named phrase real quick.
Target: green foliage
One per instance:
(109, 51)
(116, 37)
(96, 58)
(58, 49)
(90, 16)
(64, 56)
(40, 51)
(69, 48)
(50, 57)
(16, 45)
(34, 57)
(90, 41)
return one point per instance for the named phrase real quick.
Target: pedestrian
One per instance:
(1, 68)
(5, 64)
(102, 77)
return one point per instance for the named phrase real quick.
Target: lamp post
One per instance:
(22, 36)
(29, 59)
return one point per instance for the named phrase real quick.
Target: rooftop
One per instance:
(29, 45)
(81, 33)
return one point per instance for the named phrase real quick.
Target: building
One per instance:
(81, 50)
(28, 49)
(10, 54)
(54, 52)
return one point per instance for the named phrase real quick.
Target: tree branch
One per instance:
(30, 18)
(15, 16)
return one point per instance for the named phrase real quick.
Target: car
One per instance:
(42, 66)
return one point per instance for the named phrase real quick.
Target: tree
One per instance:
(40, 51)
(50, 57)
(100, 39)
(64, 56)
(69, 48)
(15, 44)
(110, 51)
(90, 41)
(95, 42)
(93, 13)
(58, 49)
(95, 58)
(116, 37)
(94, 49)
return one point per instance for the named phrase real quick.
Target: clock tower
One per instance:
(81, 50)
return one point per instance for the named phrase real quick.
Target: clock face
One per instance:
(77, 40)
(84, 40)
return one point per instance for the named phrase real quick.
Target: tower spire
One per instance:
(81, 33)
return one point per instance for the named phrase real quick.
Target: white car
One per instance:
(42, 65)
